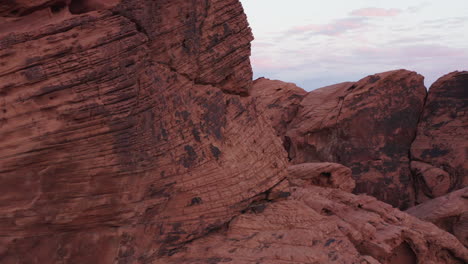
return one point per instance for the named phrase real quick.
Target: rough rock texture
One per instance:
(278, 101)
(117, 140)
(449, 212)
(127, 136)
(322, 174)
(16, 8)
(323, 225)
(368, 126)
(440, 150)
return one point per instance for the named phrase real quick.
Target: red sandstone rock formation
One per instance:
(117, 140)
(323, 225)
(368, 126)
(17, 8)
(278, 101)
(322, 174)
(449, 212)
(440, 149)
(126, 137)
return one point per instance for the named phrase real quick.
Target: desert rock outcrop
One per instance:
(449, 212)
(440, 150)
(127, 135)
(323, 174)
(278, 101)
(324, 225)
(119, 130)
(368, 126)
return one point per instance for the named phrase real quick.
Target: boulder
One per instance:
(368, 126)
(440, 148)
(323, 174)
(449, 212)
(278, 101)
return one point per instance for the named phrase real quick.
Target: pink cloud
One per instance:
(333, 28)
(266, 64)
(376, 12)
(408, 55)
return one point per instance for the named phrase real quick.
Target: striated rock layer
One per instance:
(127, 136)
(449, 212)
(368, 126)
(278, 101)
(119, 135)
(440, 150)
(322, 225)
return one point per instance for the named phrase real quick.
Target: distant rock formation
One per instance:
(368, 126)
(278, 101)
(440, 151)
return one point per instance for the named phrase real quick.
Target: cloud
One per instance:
(376, 12)
(334, 28)
(320, 68)
(268, 64)
(357, 19)
(445, 22)
(408, 54)
(262, 44)
(418, 8)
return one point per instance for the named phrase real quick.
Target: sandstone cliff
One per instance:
(119, 135)
(127, 135)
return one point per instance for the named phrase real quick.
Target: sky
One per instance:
(319, 43)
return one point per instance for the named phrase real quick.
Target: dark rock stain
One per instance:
(196, 201)
(215, 151)
(329, 241)
(435, 152)
(190, 157)
(33, 73)
(196, 134)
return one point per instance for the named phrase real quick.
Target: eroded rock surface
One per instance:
(323, 174)
(18, 8)
(119, 135)
(323, 225)
(368, 126)
(440, 148)
(278, 101)
(127, 136)
(449, 212)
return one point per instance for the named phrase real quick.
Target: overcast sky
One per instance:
(318, 43)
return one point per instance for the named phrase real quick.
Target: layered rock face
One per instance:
(439, 152)
(324, 225)
(449, 212)
(127, 136)
(368, 126)
(278, 101)
(119, 135)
